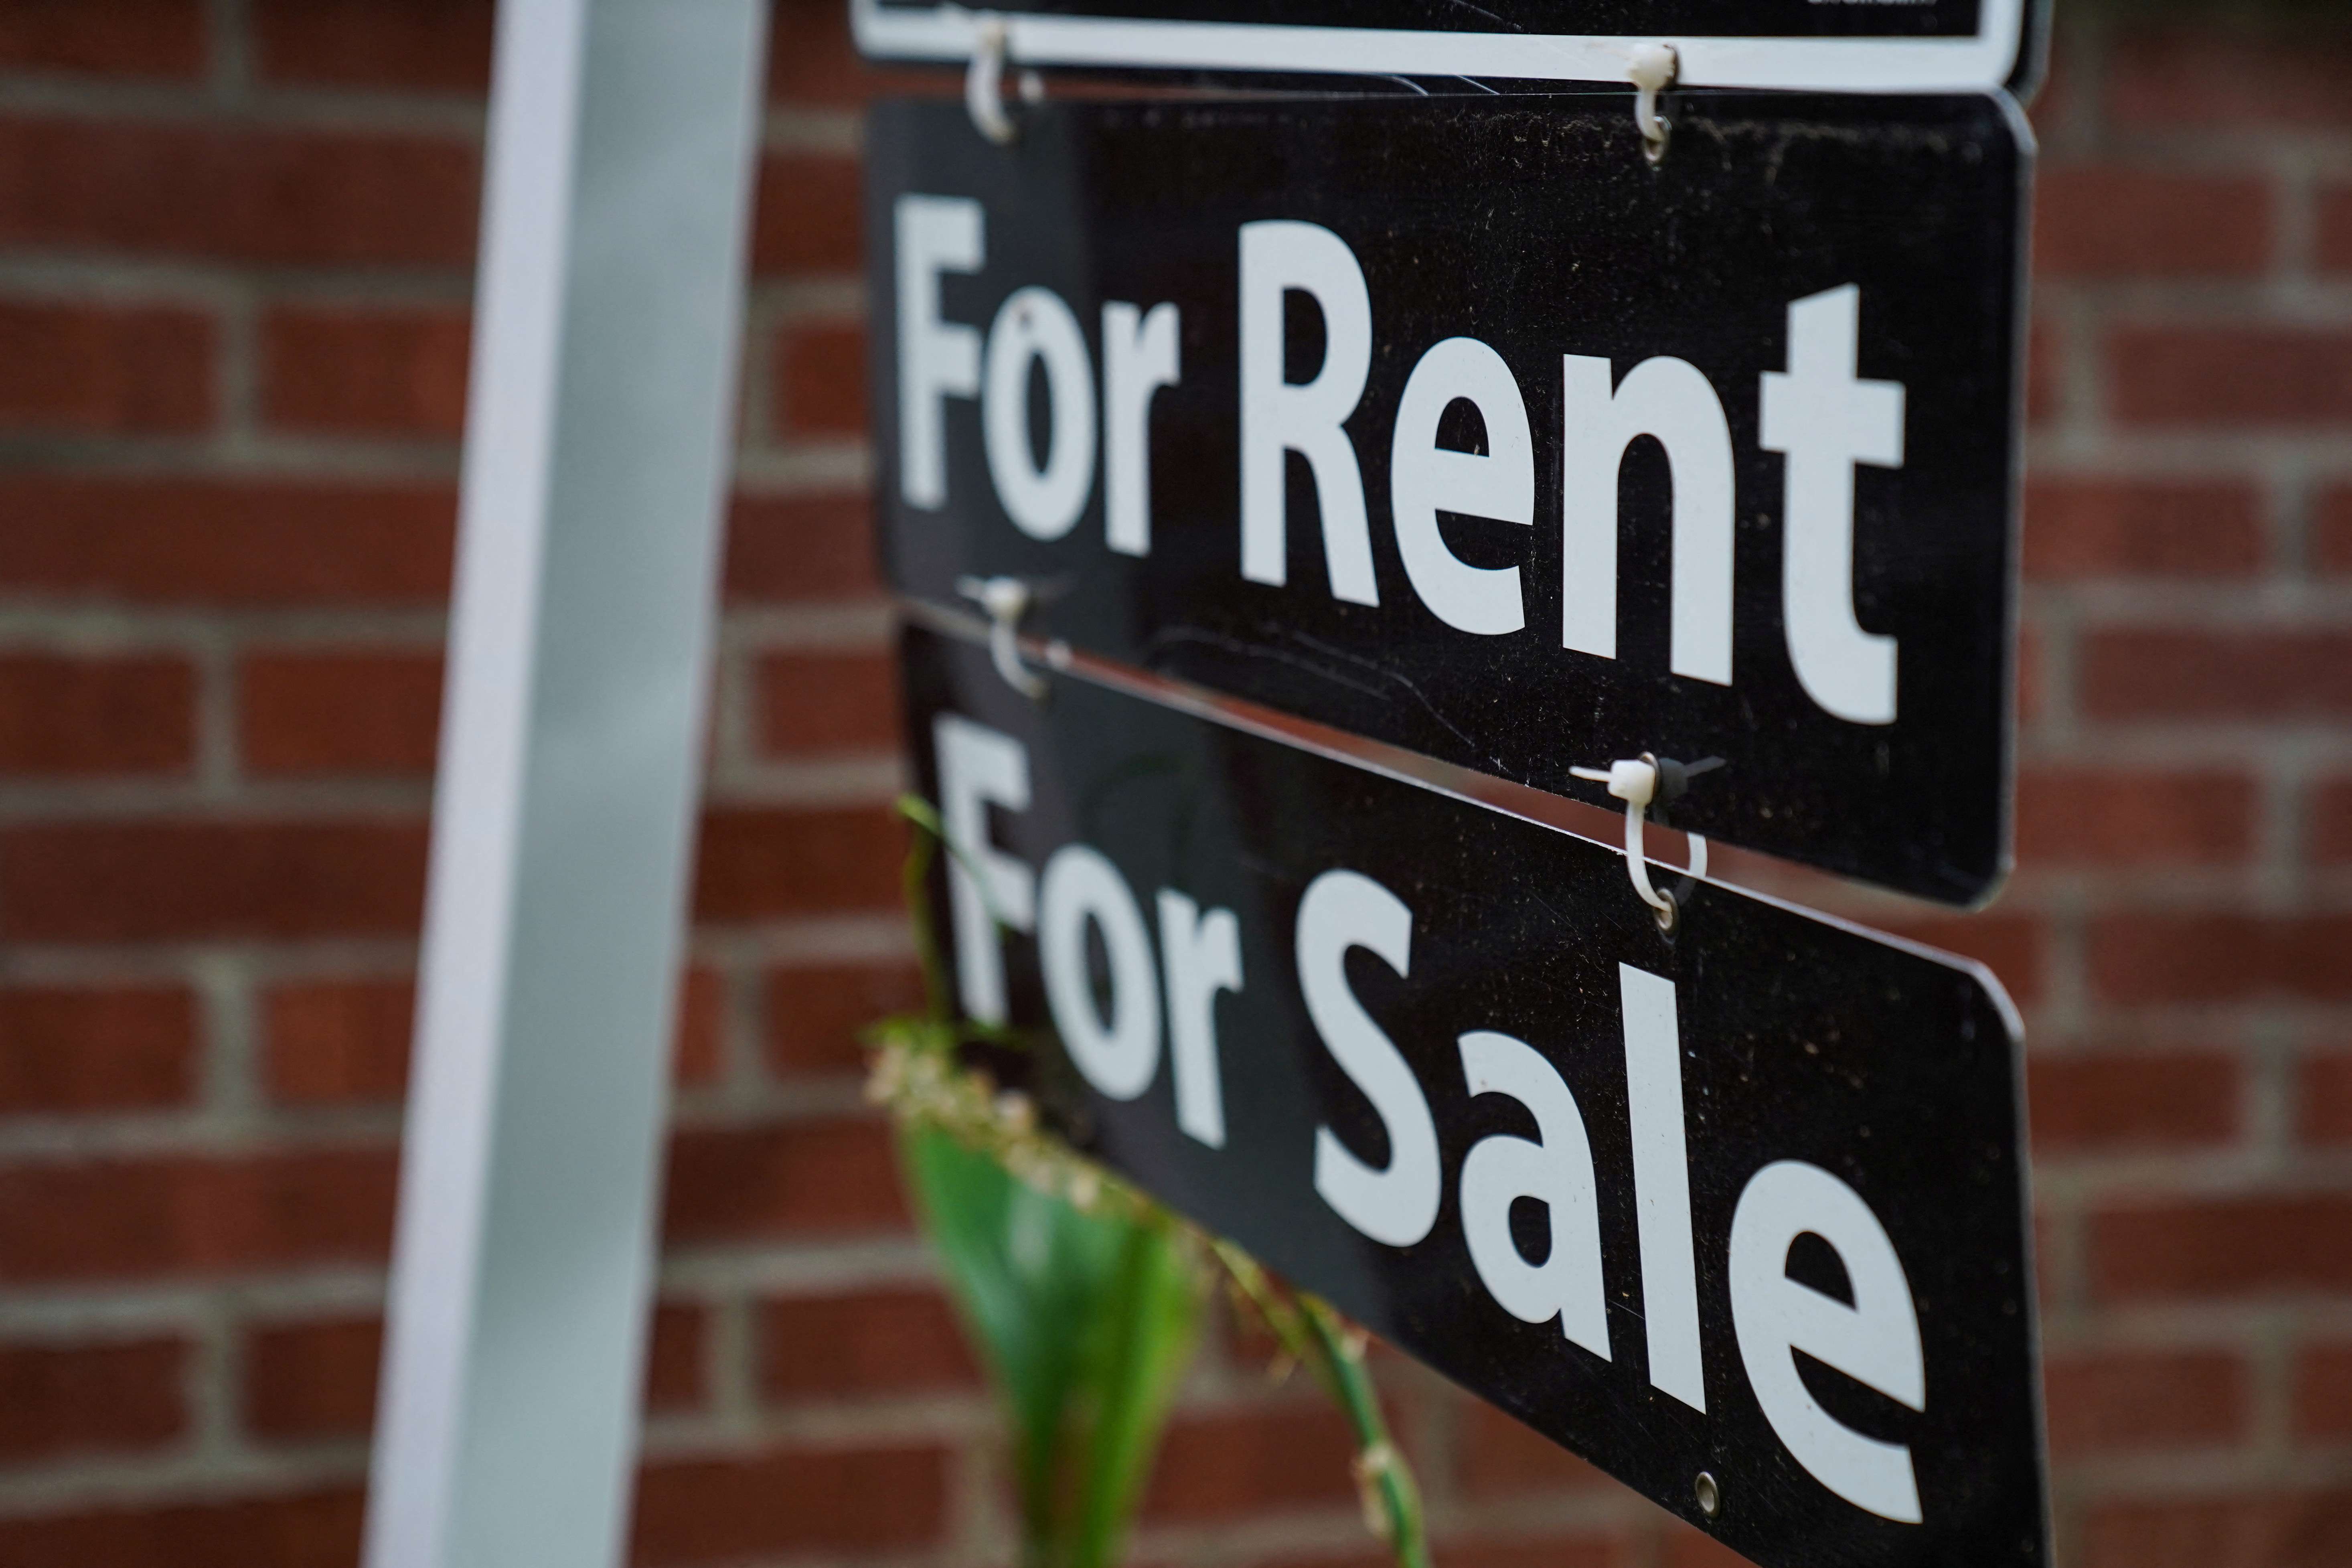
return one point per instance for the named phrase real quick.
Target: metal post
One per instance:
(621, 140)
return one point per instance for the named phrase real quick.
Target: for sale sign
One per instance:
(1738, 1211)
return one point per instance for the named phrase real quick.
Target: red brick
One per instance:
(2323, 1392)
(2152, 957)
(795, 1502)
(2202, 78)
(808, 1178)
(1250, 1461)
(2285, 377)
(1580, 1551)
(65, 1050)
(2077, 818)
(2053, 104)
(364, 372)
(801, 547)
(809, 215)
(811, 55)
(1312, 1559)
(173, 1215)
(881, 1342)
(192, 541)
(1538, 1551)
(2331, 532)
(2137, 1401)
(65, 1399)
(335, 1042)
(2127, 673)
(821, 380)
(104, 37)
(2088, 528)
(2009, 946)
(2277, 1530)
(312, 197)
(78, 717)
(342, 1042)
(156, 881)
(828, 702)
(2119, 1100)
(813, 62)
(310, 1530)
(2107, 221)
(430, 46)
(2031, 676)
(1687, 1547)
(2332, 242)
(760, 864)
(676, 1357)
(325, 711)
(104, 369)
(2045, 372)
(1499, 1457)
(814, 1014)
(2323, 1099)
(2330, 821)
(312, 1379)
(2222, 1247)
(696, 1053)
(317, 1379)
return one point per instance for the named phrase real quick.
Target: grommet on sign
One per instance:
(1651, 69)
(1642, 782)
(1007, 602)
(983, 83)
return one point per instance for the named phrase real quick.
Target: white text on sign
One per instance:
(1819, 413)
(1165, 992)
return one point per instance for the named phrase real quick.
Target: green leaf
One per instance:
(1145, 1333)
(1084, 1321)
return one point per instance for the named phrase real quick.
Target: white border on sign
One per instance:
(949, 32)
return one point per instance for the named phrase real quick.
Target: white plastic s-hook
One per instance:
(1651, 68)
(1007, 602)
(983, 82)
(1635, 781)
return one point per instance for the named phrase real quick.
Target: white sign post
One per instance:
(621, 141)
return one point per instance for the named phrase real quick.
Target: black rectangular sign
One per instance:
(1455, 423)
(1859, 46)
(1745, 1202)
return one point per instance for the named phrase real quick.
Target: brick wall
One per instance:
(234, 243)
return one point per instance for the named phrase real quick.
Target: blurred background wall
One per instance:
(236, 241)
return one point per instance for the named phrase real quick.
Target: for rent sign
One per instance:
(1455, 423)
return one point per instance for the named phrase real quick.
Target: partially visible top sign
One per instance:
(1836, 46)
(1451, 422)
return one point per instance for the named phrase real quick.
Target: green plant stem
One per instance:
(917, 873)
(1312, 1333)
(1381, 1469)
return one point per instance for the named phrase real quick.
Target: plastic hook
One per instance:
(1641, 781)
(1007, 602)
(983, 82)
(1651, 67)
